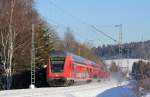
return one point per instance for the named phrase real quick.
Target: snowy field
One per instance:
(148, 95)
(87, 90)
(95, 89)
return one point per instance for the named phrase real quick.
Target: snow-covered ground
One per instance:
(95, 89)
(87, 90)
(148, 95)
(120, 91)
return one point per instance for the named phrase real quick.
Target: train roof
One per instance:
(75, 58)
(58, 53)
(80, 59)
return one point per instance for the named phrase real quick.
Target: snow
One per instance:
(87, 90)
(117, 92)
(148, 95)
(95, 89)
(126, 90)
(32, 86)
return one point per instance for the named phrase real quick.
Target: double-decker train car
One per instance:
(65, 68)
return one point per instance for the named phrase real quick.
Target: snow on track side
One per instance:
(88, 90)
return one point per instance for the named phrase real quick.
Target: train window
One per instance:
(90, 70)
(73, 66)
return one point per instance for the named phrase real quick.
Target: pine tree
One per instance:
(44, 43)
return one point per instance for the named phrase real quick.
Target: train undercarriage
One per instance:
(64, 83)
(60, 82)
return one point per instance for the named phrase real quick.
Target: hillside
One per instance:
(129, 50)
(127, 63)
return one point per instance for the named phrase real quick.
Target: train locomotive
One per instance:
(64, 69)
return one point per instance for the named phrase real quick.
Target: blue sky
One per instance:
(134, 15)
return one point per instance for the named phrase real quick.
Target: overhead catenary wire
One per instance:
(95, 28)
(83, 22)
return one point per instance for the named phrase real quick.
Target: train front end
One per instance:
(58, 69)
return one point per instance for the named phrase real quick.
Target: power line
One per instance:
(85, 23)
(67, 13)
(92, 26)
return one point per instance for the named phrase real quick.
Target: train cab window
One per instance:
(57, 64)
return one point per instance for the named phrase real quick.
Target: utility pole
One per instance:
(142, 46)
(128, 56)
(32, 85)
(122, 68)
(120, 43)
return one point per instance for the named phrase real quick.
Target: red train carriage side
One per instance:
(64, 68)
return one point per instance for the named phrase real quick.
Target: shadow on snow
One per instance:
(117, 92)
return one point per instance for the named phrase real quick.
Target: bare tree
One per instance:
(7, 42)
(16, 19)
(10, 31)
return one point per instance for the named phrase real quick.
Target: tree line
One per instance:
(129, 50)
(141, 73)
(16, 20)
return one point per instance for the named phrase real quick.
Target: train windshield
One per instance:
(57, 64)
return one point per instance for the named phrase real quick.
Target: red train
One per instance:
(65, 68)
